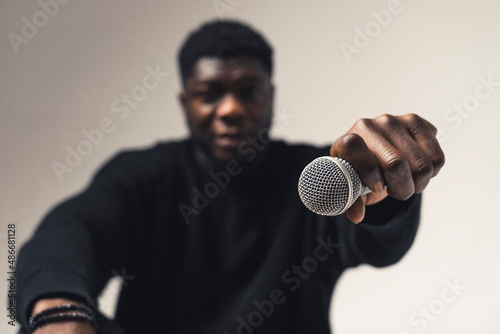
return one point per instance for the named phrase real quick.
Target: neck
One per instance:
(247, 165)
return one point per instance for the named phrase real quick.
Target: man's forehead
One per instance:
(211, 69)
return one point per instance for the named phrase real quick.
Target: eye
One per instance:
(209, 95)
(251, 92)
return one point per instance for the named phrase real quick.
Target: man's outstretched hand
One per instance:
(395, 156)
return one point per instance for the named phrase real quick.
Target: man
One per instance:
(211, 228)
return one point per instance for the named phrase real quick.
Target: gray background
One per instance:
(430, 56)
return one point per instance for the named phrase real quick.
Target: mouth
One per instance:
(229, 141)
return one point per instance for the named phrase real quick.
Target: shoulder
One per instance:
(289, 159)
(159, 152)
(147, 161)
(298, 152)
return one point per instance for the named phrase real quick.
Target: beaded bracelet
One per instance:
(59, 314)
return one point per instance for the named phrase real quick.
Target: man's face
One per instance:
(226, 101)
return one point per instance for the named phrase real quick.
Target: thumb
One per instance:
(356, 213)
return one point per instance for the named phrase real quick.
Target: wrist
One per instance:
(47, 303)
(67, 312)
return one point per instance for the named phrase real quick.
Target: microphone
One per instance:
(328, 186)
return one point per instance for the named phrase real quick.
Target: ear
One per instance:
(182, 97)
(272, 94)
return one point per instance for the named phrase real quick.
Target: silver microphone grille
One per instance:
(328, 186)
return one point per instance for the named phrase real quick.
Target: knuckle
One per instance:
(401, 191)
(351, 142)
(423, 169)
(397, 166)
(398, 175)
(417, 123)
(439, 161)
(373, 171)
(387, 120)
(406, 195)
(364, 123)
(414, 118)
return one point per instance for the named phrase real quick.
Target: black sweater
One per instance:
(207, 252)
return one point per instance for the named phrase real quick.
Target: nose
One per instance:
(230, 109)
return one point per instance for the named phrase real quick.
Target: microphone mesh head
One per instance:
(328, 186)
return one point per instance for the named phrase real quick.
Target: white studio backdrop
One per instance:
(65, 66)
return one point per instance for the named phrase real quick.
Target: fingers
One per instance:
(356, 213)
(414, 144)
(407, 167)
(376, 159)
(424, 134)
(352, 148)
(401, 152)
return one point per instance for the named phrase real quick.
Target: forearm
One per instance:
(78, 245)
(385, 235)
(389, 231)
(69, 256)
(53, 263)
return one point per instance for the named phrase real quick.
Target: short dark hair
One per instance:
(223, 39)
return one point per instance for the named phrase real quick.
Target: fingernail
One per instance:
(353, 221)
(378, 187)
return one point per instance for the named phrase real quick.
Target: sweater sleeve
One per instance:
(81, 241)
(385, 235)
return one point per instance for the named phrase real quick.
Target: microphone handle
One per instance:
(364, 189)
